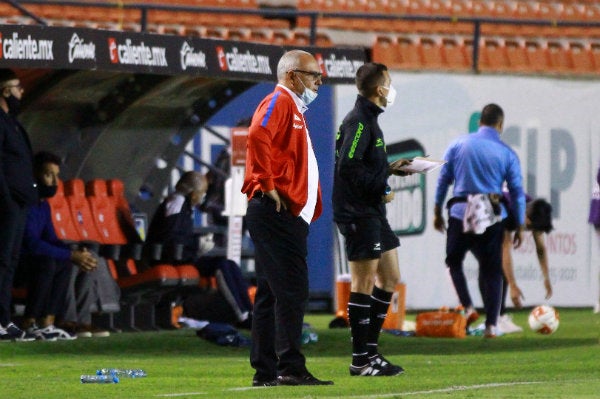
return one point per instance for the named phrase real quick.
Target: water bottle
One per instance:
(127, 373)
(99, 379)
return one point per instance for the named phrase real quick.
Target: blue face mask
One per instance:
(308, 96)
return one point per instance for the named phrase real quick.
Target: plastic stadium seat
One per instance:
(409, 51)
(492, 55)
(142, 289)
(260, 35)
(537, 56)
(431, 51)
(80, 211)
(516, 54)
(299, 38)
(595, 51)
(61, 217)
(385, 50)
(104, 213)
(281, 37)
(581, 57)
(455, 54)
(559, 57)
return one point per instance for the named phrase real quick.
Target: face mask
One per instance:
(45, 191)
(14, 105)
(391, 96)
(308, 96)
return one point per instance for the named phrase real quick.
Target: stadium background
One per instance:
(123, 121)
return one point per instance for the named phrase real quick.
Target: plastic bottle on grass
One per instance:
(99, 379)
(122, 373)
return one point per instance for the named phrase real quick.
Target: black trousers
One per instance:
(47, 284)
(12, 226)
(280, 241)
(487, 249)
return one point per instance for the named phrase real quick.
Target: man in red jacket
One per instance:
(282, 185)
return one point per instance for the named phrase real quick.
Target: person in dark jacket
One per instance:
(47, 261)
(360, 194)
(17, 192)
(172, 226)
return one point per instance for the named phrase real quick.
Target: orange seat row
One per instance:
(495, 54)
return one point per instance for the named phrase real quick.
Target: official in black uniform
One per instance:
(17, 192)
(360, 193)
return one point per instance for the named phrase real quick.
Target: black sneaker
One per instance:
(305, 379)
(388, 368)
(264, 383)
(14, 333)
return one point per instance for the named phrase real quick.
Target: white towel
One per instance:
(479, 214)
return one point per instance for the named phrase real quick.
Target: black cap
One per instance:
(7, 74)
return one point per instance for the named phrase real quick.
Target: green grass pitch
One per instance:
(181, 365)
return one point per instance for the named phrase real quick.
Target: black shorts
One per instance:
(368, 238)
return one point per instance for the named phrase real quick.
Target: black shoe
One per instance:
(13, 333)
(386, 366)
(264, 383)
(305, 379)
(377, 367)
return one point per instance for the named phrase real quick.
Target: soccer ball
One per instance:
(544, 319)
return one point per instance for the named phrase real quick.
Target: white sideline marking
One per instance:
(387, 395)
(446, 390)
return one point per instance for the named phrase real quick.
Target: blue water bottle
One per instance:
(99, 379)
(123, 373)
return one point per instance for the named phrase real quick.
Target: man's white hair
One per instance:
(289, 61)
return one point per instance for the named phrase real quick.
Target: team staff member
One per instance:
(477, 165)
(17, 192)
(282, 184)
(360, 192)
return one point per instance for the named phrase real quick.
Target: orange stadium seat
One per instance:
(431, 52)
(260, 35)
(559, 57)
(80, 211)
(104, 213)
(455, 54)
(581, 56)
(409, 52)
(537, 55)
(61, 217)
(595, 51)
(385, 51)
(516, 54)
(281, 37)
(493, 55)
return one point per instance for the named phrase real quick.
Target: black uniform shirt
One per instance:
(361, 164)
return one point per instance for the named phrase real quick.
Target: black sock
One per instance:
(380, 302)
(359, 308)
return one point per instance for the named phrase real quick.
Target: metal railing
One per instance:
(312, 15)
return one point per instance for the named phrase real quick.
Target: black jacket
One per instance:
(170, 231)
(361, 164)
(16, 163)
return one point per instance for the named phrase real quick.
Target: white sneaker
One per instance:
(51, 333)
(507, 326)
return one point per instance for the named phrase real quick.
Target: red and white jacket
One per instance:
(280, 155)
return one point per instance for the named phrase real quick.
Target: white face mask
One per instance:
(308, 95)
(391, 96)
